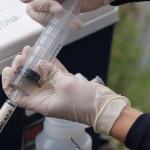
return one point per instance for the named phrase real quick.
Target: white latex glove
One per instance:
(42, 10)
(64, 96)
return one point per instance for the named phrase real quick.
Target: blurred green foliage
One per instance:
(125, 75)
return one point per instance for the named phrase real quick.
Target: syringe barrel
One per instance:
(47, 46)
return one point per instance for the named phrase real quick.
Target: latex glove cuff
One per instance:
(108, 114)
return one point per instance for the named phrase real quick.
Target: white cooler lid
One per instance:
(17, 29)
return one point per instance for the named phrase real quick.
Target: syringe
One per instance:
(47, 46)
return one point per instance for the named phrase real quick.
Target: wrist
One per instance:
(124, 122)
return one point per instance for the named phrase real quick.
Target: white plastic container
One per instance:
(63, 135)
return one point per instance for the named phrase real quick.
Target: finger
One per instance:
(41, 17)
(8, 75)
(46, 6)
(56, 62)
(26, 51)
(46, 70)
(53, 74)
(19, 60)
(42, 11)
(56, 7)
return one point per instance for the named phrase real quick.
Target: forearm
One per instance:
(123, 124)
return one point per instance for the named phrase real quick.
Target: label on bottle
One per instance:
(5, 113)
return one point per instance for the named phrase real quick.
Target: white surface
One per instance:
(18, 30)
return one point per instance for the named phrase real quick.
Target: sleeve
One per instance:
(120, 2)
(138, 137)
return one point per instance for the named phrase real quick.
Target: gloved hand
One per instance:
(64, 96)
(42, 10)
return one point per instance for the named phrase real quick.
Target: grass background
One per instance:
(128, 74)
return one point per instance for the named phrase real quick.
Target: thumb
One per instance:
(47, 70)
(61, 81)
(7, 76)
